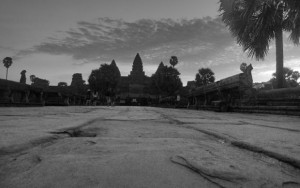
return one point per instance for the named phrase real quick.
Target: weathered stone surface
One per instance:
(146, 147)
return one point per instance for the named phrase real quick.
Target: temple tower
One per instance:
(137, 74)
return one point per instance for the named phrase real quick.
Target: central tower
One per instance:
(137, 74)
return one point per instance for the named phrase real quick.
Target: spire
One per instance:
(137, 74)
(137, 66)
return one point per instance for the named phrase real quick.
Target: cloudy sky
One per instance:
(53, 39)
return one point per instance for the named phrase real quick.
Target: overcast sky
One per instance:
(53, 39)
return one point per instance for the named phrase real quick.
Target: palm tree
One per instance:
(7, 63)
(290, 78)
(62, 84)
(204, 76)
(174, 61)
(255, 23)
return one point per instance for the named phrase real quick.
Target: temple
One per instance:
(136, 85)
(137, 75)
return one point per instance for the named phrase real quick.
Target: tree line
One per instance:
(165, 81)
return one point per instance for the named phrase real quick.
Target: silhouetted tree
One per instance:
(173, 61)
(62, 84)
(23, 77)
(116, 72)
(38, 82)
(204, 76)
(156, 79)
(105, 79)
(166, 80)
(290, 78)
(32, 77)
(92, 80)
(7, 63)
(255, 23)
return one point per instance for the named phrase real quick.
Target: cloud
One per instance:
(293, 63)
(107, 39)
(6, 48)
(197, 43)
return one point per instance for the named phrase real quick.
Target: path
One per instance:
(146, 147)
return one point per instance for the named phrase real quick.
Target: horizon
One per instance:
(55, 39)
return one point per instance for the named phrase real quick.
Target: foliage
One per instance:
(32, 78)
(105, 79)
(166, 80)
(290, 78)
(92, 80)
(38, 82)
(204, 76)
(255, 23)
(7, 63)
(173, 61)
(62, 84)
(115, 68)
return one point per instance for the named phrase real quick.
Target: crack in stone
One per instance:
(202, 172)
(76, 133)
(242, 145)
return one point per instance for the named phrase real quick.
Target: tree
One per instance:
(204, 76)
(295, 75)
(116, 71)
(156, 79)
(7, 63)
(166, 80)
(255, 23)
(32, 78)
(38, 82)
(93, 80)
(105, 79)
(62, 84)
(290, 78)
(173, 61)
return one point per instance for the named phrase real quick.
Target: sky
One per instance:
(53, 39)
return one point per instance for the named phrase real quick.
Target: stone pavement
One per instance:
(146, 147)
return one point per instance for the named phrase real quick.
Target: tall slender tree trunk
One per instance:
(279, 58)
(6, 72)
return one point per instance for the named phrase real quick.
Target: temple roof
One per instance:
(137, 66)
